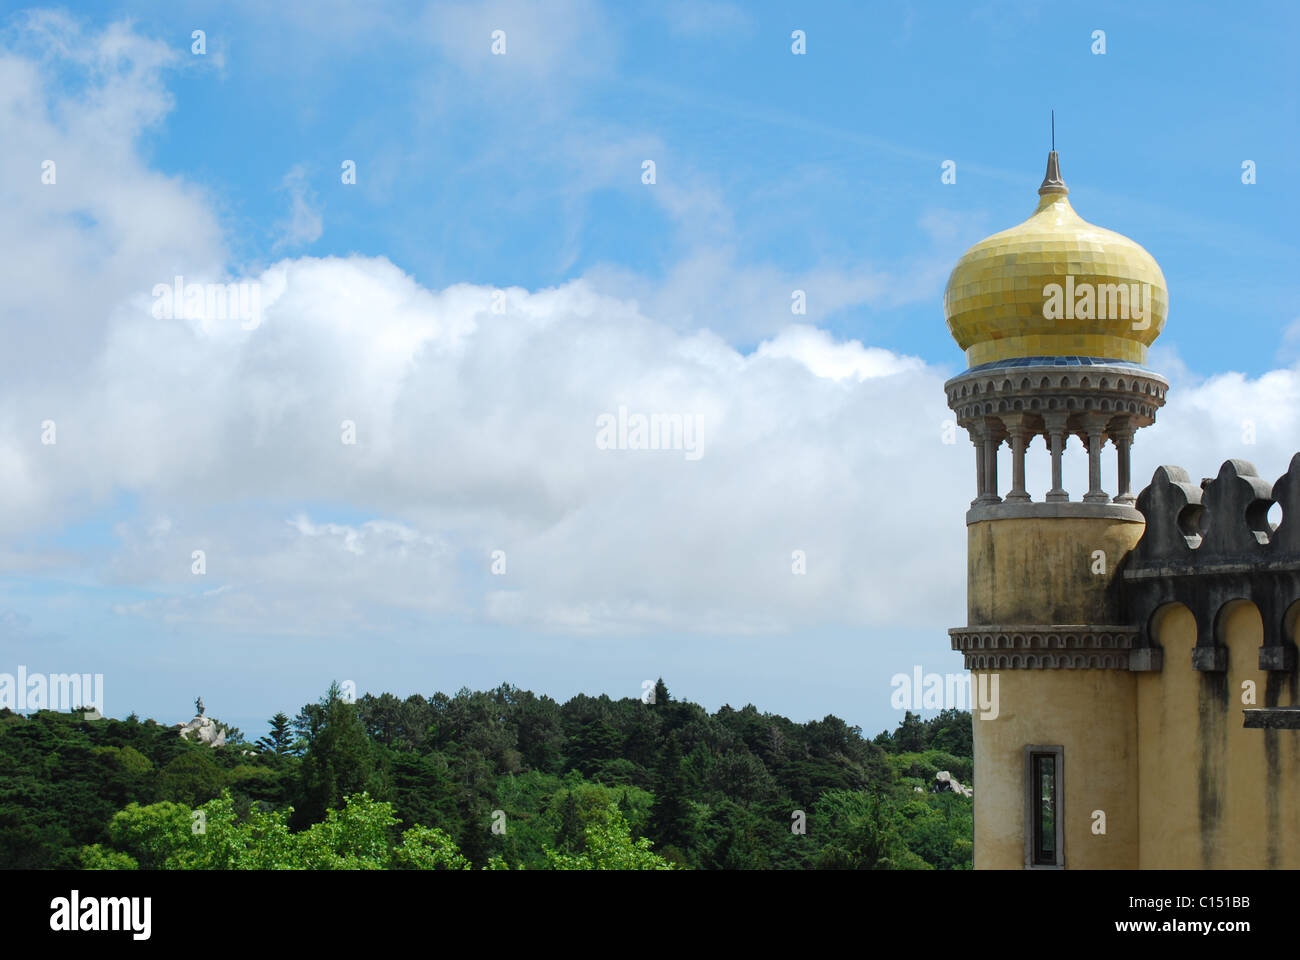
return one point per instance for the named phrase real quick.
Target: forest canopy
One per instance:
(499, 779)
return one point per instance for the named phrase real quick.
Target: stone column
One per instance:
(993, 433)
(976, 431)
(1095, 428)
(1056, 437)
(1121, 434)
(1015, 424)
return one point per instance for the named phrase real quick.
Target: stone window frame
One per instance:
(1032, 811)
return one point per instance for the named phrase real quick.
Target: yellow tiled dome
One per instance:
(999, 304)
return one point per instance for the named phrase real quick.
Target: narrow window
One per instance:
(1043, 806)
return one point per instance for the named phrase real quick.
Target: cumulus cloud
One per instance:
(476, 431)
(475, 416)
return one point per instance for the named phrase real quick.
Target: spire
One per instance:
(1052, 182)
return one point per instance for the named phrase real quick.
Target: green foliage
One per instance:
(359, 837)
(340, 759)
(151, 835)
(192, 778)
(498, 779)
(609, 846)
(428, 848)
(98, 857)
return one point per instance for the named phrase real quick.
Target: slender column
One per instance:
(1016, 427)
(1095, 426)
(1121, 434)
(993, 433)
(977, 439)
(1056, 437)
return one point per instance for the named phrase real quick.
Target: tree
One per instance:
(339, 760)
(428, 848)
(280, 740)
(150, 835)
(669, 808)
(609, 846)
(191, 778)
(910, 735)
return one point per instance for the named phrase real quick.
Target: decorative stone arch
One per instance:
(1291, 622)
(1150, 652)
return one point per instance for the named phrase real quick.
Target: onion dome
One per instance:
(1055, 286)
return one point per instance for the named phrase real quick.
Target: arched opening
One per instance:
(1172, 627)
(1291, 622)
(1239, 629)
(1257, 519)
(1190, 519)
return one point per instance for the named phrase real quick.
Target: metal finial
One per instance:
(1053, 131)
(1053, 182)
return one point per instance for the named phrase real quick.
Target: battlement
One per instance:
(1209, 545)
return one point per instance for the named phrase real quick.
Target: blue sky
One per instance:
(478, 172)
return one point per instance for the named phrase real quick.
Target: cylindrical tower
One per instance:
(1055, 316)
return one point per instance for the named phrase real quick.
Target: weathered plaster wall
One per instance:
(1212, 794)
(1037, 571)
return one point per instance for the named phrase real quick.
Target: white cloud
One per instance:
(304, 223)
(475, 429)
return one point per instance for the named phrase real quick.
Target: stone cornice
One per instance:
(1037, 510)
(1043, 390)
(1047, 646)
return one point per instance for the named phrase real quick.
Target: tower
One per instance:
(1055, 317)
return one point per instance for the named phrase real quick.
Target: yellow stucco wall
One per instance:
(1165, 755)
(1084, 711)
(1212, 794)
(1040, 571)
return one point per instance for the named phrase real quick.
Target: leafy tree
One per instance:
(428, 848)
(192, 778)
(609, 846)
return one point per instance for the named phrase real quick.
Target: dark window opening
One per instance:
(1044, 792)
(1044, 787)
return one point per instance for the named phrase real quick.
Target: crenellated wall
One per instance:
(1206, 546)
(1213, 588)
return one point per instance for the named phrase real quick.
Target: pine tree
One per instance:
(280, 740)
(670, 802)
(339, 761)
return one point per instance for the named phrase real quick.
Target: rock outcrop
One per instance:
(944, 782)
(203, 729)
